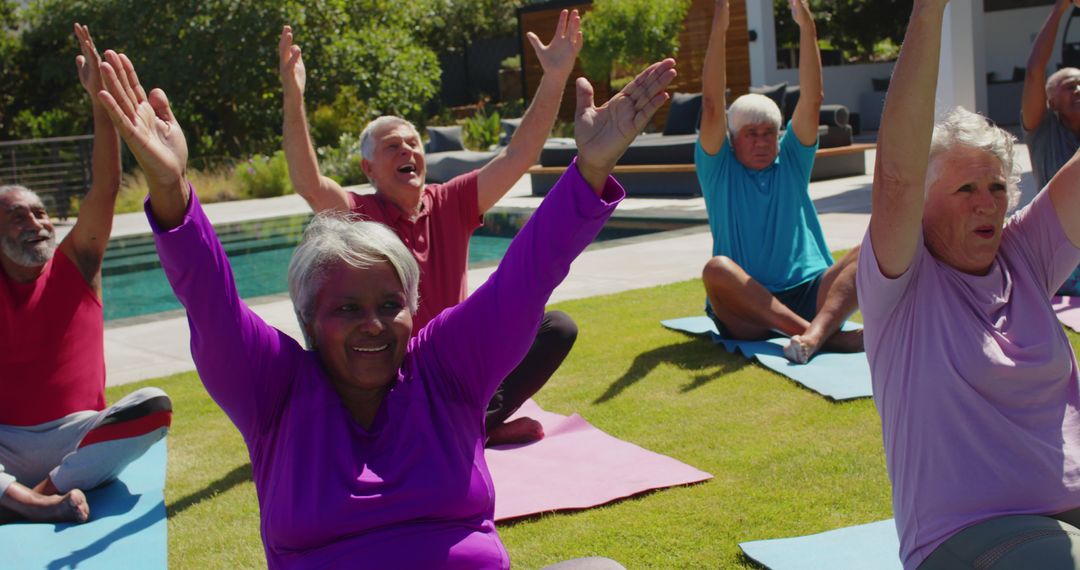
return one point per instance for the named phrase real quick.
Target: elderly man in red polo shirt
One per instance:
(436, 220)
(56, 435)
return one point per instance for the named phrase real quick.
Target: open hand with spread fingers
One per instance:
(800, 12)
(558, 56)
(603, 133)
(291, 65)
(150, 129)
(88, 62)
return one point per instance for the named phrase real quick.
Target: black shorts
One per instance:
(801, 299)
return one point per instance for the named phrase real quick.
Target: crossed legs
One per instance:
(749, 311)
(80, 451)
(553, 342)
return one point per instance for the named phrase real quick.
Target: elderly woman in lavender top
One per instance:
(367, 449)
(973, 375)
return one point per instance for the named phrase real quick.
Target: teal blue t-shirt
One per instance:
(764, 220)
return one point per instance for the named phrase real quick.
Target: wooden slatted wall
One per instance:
(541, 20)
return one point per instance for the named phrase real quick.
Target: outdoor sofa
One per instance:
(662, 164)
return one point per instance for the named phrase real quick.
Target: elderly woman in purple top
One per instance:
(973, 375)
(367, 450)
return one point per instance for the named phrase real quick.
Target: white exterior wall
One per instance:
(1010, 34)
(1005, 36)
(843, 83)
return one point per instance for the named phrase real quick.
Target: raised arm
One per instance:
(904, 142)
(557, 59)
(1064, 190)
(714, 82)
(1033, 105)
(246, 365)
(510, 304)
(86, 243)
(805, 119)
(322, 193)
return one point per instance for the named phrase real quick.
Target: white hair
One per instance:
(961, 127)
(367, 136)
(13, 188)
(1058, 76)
(332, 238)
(753, 109)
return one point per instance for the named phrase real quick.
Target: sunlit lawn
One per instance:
(786, 461)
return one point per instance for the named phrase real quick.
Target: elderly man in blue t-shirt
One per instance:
(771, 270)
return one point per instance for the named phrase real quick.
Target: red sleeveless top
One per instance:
(52, 346)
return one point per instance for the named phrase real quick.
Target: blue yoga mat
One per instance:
(873, 546)
(126, 527)
(837, 376)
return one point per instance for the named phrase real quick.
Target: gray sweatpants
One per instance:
(85, 449)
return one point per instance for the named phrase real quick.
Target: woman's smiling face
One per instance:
(361, 325)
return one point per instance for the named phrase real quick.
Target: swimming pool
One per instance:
(134, 284)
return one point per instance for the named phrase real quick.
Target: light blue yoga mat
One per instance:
(126, 527)
(837, 376)
(872, 546)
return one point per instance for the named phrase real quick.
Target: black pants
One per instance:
(553, 342)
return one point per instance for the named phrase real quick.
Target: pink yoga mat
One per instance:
(1068, 311)
(576, 466)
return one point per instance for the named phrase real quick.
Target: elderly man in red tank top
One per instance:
(57, 437)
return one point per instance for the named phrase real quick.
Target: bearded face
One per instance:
(30, 248)
(27, 235)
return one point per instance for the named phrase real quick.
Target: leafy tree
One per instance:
(9, 47)
(853, 26)
(451, 25)
(630, 33)
(217, 60)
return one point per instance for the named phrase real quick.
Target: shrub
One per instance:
(211, 185)
(630, 33)
(342, 162)
(263, 176)
(50, 123)
(512, 62)
(481, 131)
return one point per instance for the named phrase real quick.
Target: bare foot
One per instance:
(521, 430)
(803, 347)
(71, 507)
(800, 349)
(21, 503)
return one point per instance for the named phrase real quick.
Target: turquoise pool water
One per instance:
(259, 251)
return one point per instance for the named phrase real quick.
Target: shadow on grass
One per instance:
(695, 356)
(750, 562)
(238, 476)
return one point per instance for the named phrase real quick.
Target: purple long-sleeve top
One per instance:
(413, 490)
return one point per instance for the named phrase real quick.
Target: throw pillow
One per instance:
(684, 117)
(444, 139)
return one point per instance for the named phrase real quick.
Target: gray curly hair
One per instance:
(960, 127)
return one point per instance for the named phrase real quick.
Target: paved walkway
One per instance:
(160, 347)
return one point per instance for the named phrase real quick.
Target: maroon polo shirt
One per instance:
(438, 238)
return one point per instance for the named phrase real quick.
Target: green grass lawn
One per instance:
(785, 461)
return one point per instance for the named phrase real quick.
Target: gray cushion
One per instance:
(774, 92)
(508, 127)
(443, 166)
(833, 115)
(685, 114)
(646, 149)
(444, 139)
